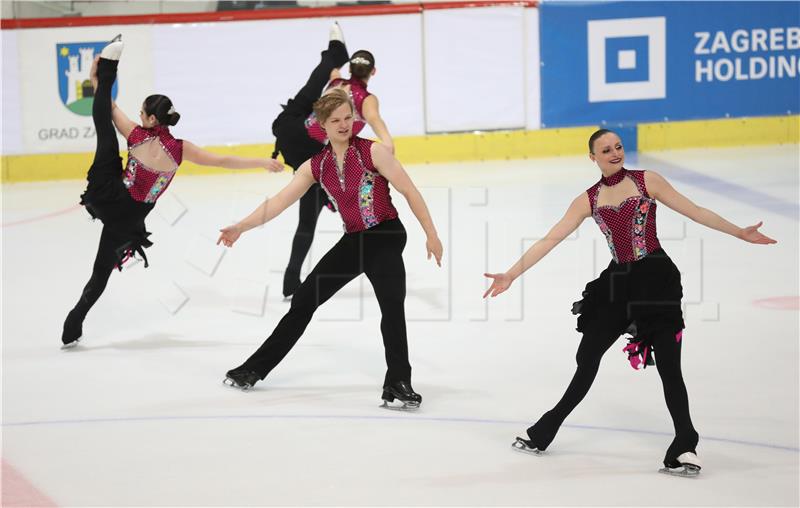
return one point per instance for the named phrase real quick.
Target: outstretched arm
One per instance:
(577, 211)
(390, 168)
(271, 208)
(660, 189)
(193, 153)
(373, 117)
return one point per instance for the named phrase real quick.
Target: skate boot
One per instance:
(242, 378)
(73, 329)
(686, 465)
(114, 49)
(336, 33)
(526, 446)
(406, 397)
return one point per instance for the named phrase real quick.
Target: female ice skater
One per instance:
(122, 197)
(354, 173)
(640, 291)
(298, 134)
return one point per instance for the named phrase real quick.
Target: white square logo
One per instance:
(627, 59)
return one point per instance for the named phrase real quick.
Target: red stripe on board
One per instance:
(17, 491)
(41, 217)
(224, 16)
(779, 303)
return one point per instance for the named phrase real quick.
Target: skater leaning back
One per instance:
(122, 197)
(639, 292)
(355, 174)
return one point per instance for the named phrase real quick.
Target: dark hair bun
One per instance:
(162, 108)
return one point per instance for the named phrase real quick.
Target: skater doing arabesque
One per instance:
(122, 197)
(298, 134)
(639, 292)
(354, 173)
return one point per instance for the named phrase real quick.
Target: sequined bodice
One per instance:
(358, 92)
(630, 227)
(143, 183)
(360, 193)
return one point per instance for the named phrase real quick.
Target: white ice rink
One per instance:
(137, 415)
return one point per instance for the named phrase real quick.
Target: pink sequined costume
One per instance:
(119, 197)
(639, 292)
(372, 244)
(292, 139)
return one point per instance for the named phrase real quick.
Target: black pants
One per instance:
(376, 252)
(292, 140)
(311, 204)
(594, 344)
(107, 199)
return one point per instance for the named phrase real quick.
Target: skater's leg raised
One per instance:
(106, 156)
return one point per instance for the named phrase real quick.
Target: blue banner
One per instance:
(619, 63)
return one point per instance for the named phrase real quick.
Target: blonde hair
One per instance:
(328, 103)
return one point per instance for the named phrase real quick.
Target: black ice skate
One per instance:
(406, 397)
(73, 329)
(242, 378)
(526, 446)
(686, 465)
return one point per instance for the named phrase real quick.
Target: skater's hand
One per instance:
(229, 235)
(500, 282)
(273, 165)
(434, 246)
(752, 235)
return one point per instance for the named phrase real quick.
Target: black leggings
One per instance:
(376, 252)
(594, 344)
(107, 199)
(311, 204)
(292, 140)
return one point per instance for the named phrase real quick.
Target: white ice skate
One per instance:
(114, 49)
(336, 33)
(526, 446)
(399, 405)
(688, 466)
(71, 344)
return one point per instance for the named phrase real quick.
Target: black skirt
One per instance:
(106, 198)
(641, 298)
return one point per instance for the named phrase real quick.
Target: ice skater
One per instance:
(298, 134)
(355, 174)
(122, 197)
(639, 292)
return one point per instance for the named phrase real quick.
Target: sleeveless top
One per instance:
(360, 193)
(143, 183)
(630, 227)
(358, 92)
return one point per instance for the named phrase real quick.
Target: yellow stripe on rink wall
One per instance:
(473, 146)
(502, 145)
(69, 166)
(771, 130)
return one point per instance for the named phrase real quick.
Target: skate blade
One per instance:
(230, 382)
(70, 345)
(521, 446)
(685, 471)
(406, 406)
